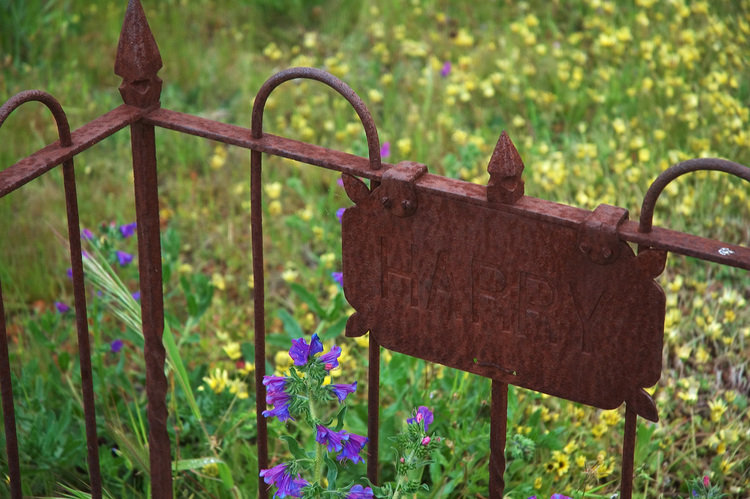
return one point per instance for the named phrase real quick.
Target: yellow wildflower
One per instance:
(562, 462)
(404, 146)
(598, 430)
(218, 281)
(610, 418)
(274, 208)
(463, 38)
(273, 190)
(718, 408)
(218, 380)
(232, 349)
(239, 388)
(245, 368)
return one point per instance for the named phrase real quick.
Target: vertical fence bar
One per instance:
(9, 412)
(373, 409)
(628, 454)
(259, 315)
(84, 347)
(498, 428)
(152, 305)
(138, 61)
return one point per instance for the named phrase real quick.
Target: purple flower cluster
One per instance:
(342, 390)
(127, 230)
(301, 352)
(277, 397)
(348, 445)
(280, 477)
(358, 492)
(554, 496)
(422, 415)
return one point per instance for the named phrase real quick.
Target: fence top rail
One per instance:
(97, 130)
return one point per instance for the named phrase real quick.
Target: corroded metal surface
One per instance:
(256, 191)
(481, 278)
(138, 60)
(79, 293)
(506, 296)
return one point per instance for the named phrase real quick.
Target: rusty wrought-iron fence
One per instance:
(418, 263)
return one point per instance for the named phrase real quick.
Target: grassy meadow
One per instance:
(598, 96)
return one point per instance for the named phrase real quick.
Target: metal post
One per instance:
(137, 62)
(498, 428)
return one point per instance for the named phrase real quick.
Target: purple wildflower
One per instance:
(127, 230)
(331, 359)
(87, 234)
(358, 492)
(274, 383)
(301, 352)
(342, 390)
(385, 150)
(280, 401)
(331, 439)
(136, 296)
(338, 277)
(69, 273)
(559, 496)
(116, 346)
(340, 213)
(61, 307)
(446, 69)
(353, 445)
(287, 484)
(422, 414)
(124, 258)
(277, 397)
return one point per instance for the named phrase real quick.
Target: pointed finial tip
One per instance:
(138, 59)
(505, 169)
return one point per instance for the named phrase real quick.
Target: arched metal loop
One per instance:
(63, 127)
(671, 173)
(373, 143)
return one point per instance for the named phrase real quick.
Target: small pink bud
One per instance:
(706, 482)
(329, 367)
(425, 440)
(402, 460)
(419, 417)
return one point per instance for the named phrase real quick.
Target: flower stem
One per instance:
(318, 470)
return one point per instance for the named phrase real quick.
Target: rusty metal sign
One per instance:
(504, 291)
(484, 279)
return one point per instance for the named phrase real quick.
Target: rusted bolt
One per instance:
(606, 253)
(385, 201)
(406, 205)
(585, 248)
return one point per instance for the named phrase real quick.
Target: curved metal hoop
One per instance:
(63, 127)
(373, 143)
(671, 173)
(79, 293)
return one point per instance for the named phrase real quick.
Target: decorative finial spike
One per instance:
(138, 59)
(505, 169)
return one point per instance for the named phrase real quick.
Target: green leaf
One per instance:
(194, 464)
(291, 326)
(180, 372)
(340, 418)
(332, 473)
(309, 298)
(294, 447)
(335, 329)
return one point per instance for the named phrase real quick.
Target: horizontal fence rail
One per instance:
(404, 195)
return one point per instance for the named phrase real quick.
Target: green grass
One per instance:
(598, 97)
